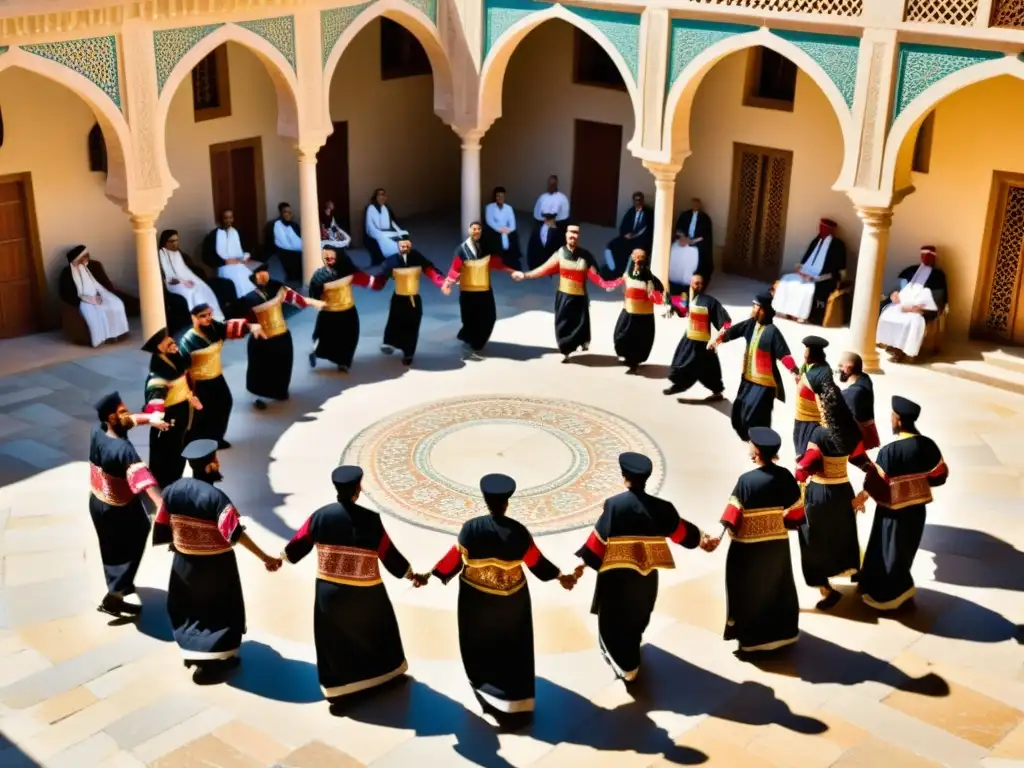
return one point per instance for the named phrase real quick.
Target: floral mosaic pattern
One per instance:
(95, 58)
(836, 54)
(427, 7)
(171, 45)
(921, 66)
(333, 24)
(401, 479)
(690, 39)
(279, 32)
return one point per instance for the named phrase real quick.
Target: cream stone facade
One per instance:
(500, 108)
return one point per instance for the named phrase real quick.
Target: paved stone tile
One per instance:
(143, 724)
(68, 638)
(12, 425)
(24, 540)
(1012, 746)
(251, 742)
(47, 600)
(23, 395)
(64, 705)
(874, 753)
(186, 732)
(34, 567)
(42, 416)
(319, 755)
(208, 751)
(89, 752)
(34, 453)
(20, 665)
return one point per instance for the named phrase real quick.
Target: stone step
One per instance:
(983, 372)
(1011, 361)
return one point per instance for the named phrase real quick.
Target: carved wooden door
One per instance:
(1003, 316)
(757, 213)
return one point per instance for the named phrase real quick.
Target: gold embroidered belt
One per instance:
(764, 379)
(206, 362)
(353, 566)
(197, 537)
(640, 553)
(495, 579)
(338, 295)
(570, 286)
(114, 491)
(639, 306)
(909, 490)
(177, 392)
(761, 525)
(407, 282)
(699, 328)
(271, 318)
(806, 409)
(476, 275)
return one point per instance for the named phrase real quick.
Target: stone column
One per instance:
(309, 216)
(151, 285)
(867, 289)
(470, 179)
(664, 213)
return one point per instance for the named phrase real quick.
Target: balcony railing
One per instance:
(820, 7)
(958, 13)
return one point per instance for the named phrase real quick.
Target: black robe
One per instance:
(705, 248)
(402, 331)
(572, 304)
(634, 330)
(936, 283)
(860, 397)
(829, 277)
(204, 595)
(626, 548)
(336, 332)
(358, 645)
(537, 252)
(763, 610)
(642, 236)
(828, 539)
(808, 414)
(201, 349)
(476, 304)
(901, 485)
(117, 477)
(269, 373)
(290, 260)
(168, 392)
(693, 361)
(495, 615)
(761, 384)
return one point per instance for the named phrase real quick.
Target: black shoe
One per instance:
(312, 359)
(673, 390)
(714, 398)
(342, 369)
(406, 361)
(223, 445)
(259, 405)
(855, 578)
(633, 370)
(828, 603)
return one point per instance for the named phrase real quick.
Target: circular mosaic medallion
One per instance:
(424, 464)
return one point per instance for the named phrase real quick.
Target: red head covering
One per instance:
(826, 227)
(928, 255)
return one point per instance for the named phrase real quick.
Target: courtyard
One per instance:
(942, 684)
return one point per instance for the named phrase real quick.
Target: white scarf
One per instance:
(173, 265)
(86, 284)
(816, 263)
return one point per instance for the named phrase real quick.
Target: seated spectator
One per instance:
(331, 235)
(500, 237)
(288, 243)
(635, 232)
(225, 252)
(381, 226)
(181, 275)
(84, 283)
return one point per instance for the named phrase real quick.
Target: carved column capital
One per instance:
(875, 218)
(144, 220)
(664, 173)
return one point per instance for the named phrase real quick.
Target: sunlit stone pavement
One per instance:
(941, 685)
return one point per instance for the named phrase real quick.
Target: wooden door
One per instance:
(332, 174)
(19, 296)
(1002, 308)
(597, 154)
(236, 169)
(757, 212)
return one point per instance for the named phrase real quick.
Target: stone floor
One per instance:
(942, 685)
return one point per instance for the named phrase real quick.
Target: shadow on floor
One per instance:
(266, 673)
(971, 558)
(12, 757)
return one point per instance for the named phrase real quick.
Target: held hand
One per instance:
(446, 287)
(98, 300)
(419, 579)
(518, 276)
(579, 571)
(860, 501)
(160, 425)
(316, 303)
(273, 563)
(257, 331)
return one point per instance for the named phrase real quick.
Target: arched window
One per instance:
(97, 150)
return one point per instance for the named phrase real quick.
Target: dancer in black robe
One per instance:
(693, 360)
(204, 595)
(495, 617)
(813, 375)
(471, 269)
(200, 347)
(860, 396)
(634, 330)
(336, 332)
(901, 484)
(402, 331)
(626, 548)
(358, 645)
(169, 398)
(761, 595)
(117, 477)
(761, 384)
(574, 266)
(829, 545)
(269, 373)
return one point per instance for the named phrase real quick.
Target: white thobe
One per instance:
(285, 237)
(385, 230)
(551, 201)
(905, 330)
(229, 246)
(175, 268)
(682, 263)
(336, 237)
(107, 320)
(499, 217)
(794, 296)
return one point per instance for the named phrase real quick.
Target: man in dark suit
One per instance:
(693, 228)
(635, 231)
(545, 240)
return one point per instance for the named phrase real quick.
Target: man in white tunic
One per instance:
(683, 262)
(552, 200)
(102, 309)
(381, 224)
(500, 234)
(921, 296)
(288, 243)
(694, 227)
(331, 235)
(180, 278)
(233, 258)
(803, 294)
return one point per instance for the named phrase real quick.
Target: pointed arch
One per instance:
(682, 92)
(120, 162)
(492, 74)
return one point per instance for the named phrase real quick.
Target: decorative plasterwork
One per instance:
(500, 15)
(427, 7)
(837, 55)
(279, 32)
(333, 24)
(921, 66)
(690, 39)
(95, 58)
(171, 45)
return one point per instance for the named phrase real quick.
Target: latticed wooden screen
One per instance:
(758, 223)
(1008, 13)
(744, 243)
(825, 7)
(1009, 252)
(960, 13)
(773, 218)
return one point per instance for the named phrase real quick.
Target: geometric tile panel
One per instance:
(690, 39)
(499, 15)
(279, 32)
(333, 24)
(95, 58)
(171, 45)
(836, 54)
(921, 66)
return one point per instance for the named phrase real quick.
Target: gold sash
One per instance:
(495, 579)
(476, 274)
(206, 362)
(407, 281)
(338, 295)
(639, 553)
(758, 525)
(699, 327)
(638, 306)
(833, 471)
(353, 566)
(271, 318)
(177, 392)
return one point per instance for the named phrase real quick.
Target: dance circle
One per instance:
(424, 464)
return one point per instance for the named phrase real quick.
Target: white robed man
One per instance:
(181, 279)
(803, 294)
(331, 235)
(381, 224)
(500, 233)
(551, 200)
(288, 243)
(231, 255)
(102, 309)
(921, 296)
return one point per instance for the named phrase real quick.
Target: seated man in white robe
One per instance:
(500, 236)
(181, 279)
(288, 243)
(803, 294)
(920, 298)
(93, 293)
(551, 201)
(683, 264)
(331, 235)
(232, 258)
(382, 227)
